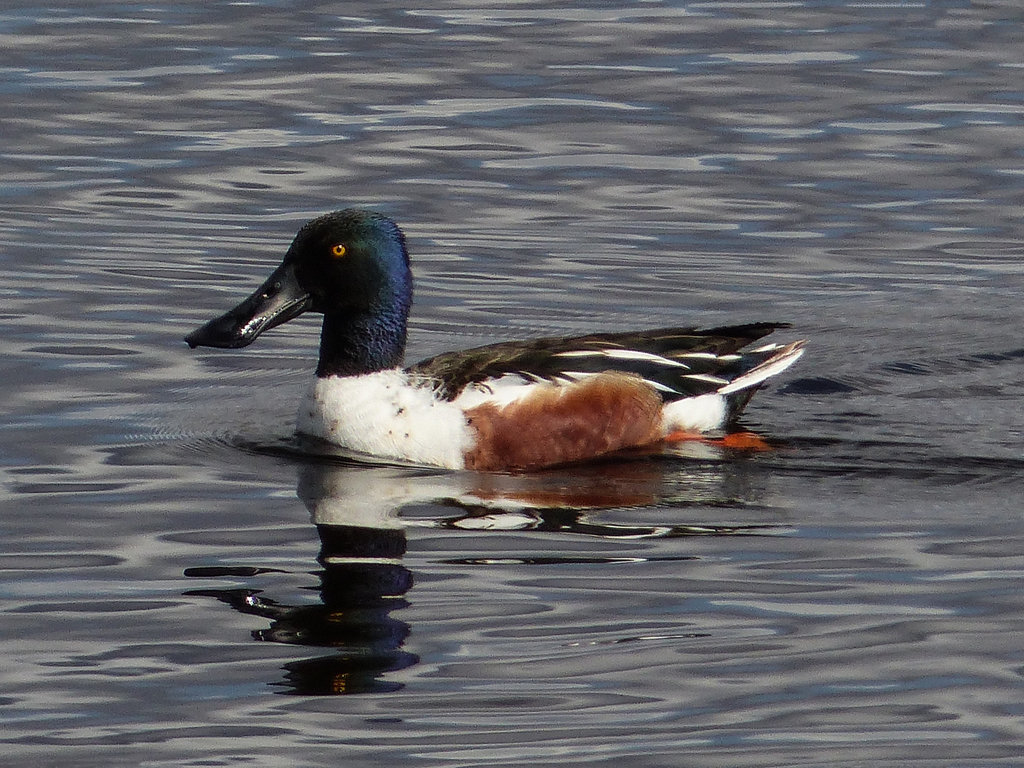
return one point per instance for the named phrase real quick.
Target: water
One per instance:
(181, 585)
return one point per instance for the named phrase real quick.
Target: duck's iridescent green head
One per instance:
(350, 265)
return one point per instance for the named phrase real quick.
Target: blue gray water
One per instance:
(181, 585)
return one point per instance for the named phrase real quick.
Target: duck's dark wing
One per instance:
(680, 362)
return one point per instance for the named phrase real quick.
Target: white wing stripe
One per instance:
(706, 377)
(767, 348)
(623, 354)
(661, 387)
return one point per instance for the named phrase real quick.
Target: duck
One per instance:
(510, 406)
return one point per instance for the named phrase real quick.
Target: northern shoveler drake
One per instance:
(511, 406)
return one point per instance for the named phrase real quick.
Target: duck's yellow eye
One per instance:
(339, 250)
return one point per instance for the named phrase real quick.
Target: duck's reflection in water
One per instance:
(362, 581)
(355, 509)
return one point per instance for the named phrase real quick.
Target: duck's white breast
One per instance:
(386, 414)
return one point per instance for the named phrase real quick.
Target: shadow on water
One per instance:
(362, 514)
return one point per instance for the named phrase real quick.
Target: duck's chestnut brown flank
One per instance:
(560, 425)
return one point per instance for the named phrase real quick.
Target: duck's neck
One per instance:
(353, 344)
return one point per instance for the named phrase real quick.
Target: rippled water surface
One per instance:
(182, 585)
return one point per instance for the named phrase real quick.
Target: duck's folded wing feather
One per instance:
(678, 362)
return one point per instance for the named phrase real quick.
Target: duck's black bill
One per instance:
(277, 301)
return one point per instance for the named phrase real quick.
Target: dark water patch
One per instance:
(49, 470)
(253, 535)
(98, 607)
(906, 368)
(653, 638)
(56, 561)
(816, 385)
(67, 488)
(81, 351)
(152, 736)
(983, 548)
(943, 367)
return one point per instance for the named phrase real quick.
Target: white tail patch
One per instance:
(787, 355)
(710, 411)
(694, 414)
